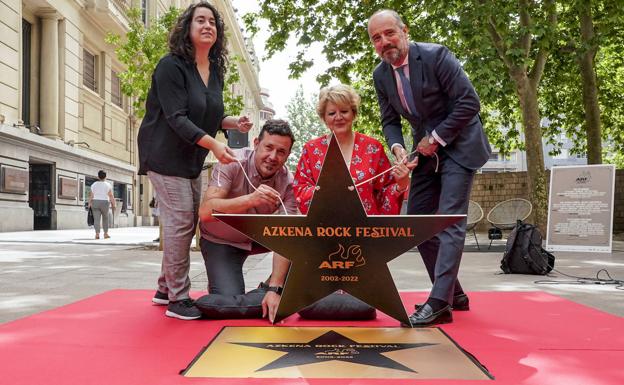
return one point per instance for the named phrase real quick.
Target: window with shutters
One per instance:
(116, 97)
(89, 68)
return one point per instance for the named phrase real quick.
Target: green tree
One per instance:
(304, 123)
(616, 158)
(585, 58)
(233, 103)
(610, 69)
(504, 45)
(140, 50)
(588, 54)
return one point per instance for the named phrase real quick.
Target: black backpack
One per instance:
(524, 253)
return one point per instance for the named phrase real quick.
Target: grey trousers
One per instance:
(444, 192)
(100, 210)
(178, 201)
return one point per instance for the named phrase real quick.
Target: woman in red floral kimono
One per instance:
(337, 107)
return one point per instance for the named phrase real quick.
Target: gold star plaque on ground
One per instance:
(337, 246)
(348, 352)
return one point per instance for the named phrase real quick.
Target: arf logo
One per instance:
(583, 178)
(344, 258)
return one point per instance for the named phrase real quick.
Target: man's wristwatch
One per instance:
(276, 289)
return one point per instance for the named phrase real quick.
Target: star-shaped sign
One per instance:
(337, 246)
(334, 346)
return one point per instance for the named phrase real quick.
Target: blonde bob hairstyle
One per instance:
(341, 95)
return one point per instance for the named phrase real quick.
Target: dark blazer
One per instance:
(445, 102)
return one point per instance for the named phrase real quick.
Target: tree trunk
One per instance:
(536, 180)
(590, 89)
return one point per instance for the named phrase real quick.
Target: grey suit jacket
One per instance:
(445, 102)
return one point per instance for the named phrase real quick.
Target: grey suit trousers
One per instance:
(444, 192)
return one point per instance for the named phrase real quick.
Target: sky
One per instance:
(274, 72)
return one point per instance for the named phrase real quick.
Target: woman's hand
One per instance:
(401, 175)
(244, 124)
(403, 157)
(223, 153)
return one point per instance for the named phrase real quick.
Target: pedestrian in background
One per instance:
(156, 213)
(99, 198)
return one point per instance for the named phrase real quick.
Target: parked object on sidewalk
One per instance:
(524, 253)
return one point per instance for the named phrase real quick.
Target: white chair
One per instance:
(506, 214)
(475, 214)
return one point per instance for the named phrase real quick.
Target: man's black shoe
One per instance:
(460, 303)
(184, 309)
(425, 316)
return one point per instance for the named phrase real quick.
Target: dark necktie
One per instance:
(407, 90)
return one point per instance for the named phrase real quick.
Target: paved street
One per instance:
(46, 269)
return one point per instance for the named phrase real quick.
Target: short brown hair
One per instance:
(277, 127)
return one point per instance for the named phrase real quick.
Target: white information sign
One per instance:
(580, 208)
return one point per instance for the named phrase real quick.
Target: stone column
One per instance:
(49, 80)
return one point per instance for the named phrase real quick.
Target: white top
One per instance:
(100, 190)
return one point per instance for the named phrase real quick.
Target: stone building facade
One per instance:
(63, 116)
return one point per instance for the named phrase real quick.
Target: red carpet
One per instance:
(119, 338)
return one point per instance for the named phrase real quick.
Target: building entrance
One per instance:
(40, 195)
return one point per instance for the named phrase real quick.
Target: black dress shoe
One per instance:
(460, 303)
(425, 316)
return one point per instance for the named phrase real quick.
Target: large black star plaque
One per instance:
(347, 352)
(337, 246)
(333, 346)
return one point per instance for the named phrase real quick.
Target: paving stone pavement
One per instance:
(41, 270)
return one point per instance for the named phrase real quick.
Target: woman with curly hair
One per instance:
(184, 110)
